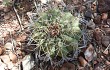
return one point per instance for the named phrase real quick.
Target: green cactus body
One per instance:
(57, 33)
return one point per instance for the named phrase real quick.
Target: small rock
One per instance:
(28, 62)
(6, 17)
(89, 53)
(94, 62)
(5, 59)
(44, 1)
(2, 65)
(82, 61)
(104, 16)
(108, 62)
(2, 7)
(98, 67)
(105, 26)
(21, 38)
(19, 52)
(18, 43)
(1, 0)
(8, 45)
(82, 8)
(97, 19)
(13, 57)
(108, 21)
(10, 65)
(91, 24)
(68, 66)
(98, 34)
(1, 51)
(94, 7)
(7, 9)
(107, 30)
(105, 41)
(15, 68)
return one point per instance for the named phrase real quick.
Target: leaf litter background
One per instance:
(18, 50)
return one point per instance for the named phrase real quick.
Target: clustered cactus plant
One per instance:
(56, 33)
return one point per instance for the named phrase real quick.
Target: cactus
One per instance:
(56, 33)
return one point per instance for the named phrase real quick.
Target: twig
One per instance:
(19, 20)
(35, 5)
(29, 14)
(107, 48)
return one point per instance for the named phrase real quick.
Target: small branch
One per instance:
(107, 48)
(19, 20)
